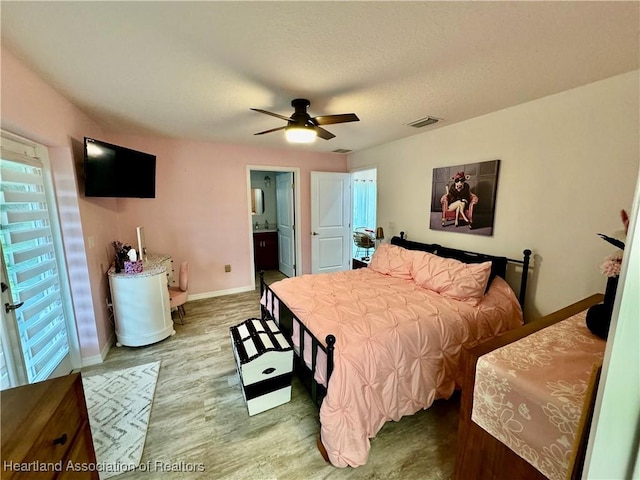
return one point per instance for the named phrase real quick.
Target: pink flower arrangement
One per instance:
(611, 265)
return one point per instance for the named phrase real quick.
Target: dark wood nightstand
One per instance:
(357, 263)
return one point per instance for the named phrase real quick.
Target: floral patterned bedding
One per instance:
(529, 394)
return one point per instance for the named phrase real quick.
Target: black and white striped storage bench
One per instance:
(264, 360)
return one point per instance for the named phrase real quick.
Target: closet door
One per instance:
(331, 236)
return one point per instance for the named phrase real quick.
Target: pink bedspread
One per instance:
(397, 347)
(529, 394)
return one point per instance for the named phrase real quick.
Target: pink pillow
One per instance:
(392, 260)
(451, 278)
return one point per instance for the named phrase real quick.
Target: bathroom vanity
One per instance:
(265, 249)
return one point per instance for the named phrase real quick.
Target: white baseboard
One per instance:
(97, 359)
(220, 293)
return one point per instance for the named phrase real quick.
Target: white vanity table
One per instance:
(141, 302)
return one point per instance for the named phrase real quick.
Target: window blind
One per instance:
(29, 255)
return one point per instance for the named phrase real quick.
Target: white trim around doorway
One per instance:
(296, 215)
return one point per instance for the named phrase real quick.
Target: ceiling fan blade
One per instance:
(322, 133)
(331, 119)
(271, 113)
(269, 131)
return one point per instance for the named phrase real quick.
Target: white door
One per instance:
(35, 311)
(331, 234)
(285, 215)
(12, 371)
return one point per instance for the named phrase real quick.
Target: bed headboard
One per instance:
(498, 264)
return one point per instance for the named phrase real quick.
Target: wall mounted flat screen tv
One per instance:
(114, 171)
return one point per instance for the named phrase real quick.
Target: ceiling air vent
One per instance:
(341, 150)
(423, 122)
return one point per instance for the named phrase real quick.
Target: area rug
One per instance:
(119, 404)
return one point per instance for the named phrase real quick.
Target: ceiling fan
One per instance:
(301, 127)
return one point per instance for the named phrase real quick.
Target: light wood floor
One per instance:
(199, 417)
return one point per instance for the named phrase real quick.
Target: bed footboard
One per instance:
(306, 373)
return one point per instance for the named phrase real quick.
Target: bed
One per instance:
(378, 343)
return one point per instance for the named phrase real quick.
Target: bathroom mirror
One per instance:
(257, 201)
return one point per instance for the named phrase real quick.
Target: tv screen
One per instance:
(114, 171)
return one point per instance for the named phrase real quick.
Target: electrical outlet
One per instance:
(227, 268)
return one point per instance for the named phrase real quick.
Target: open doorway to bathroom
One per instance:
(274, 208)
(365, 195)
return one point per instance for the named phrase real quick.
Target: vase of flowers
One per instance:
(611, 269)
(599, 316)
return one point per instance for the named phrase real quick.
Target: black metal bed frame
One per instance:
(306, 374)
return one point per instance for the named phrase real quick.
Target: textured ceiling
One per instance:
(193, 69)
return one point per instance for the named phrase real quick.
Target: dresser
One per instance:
(45, 426)
(141, 303)
(482, 456)
(265, 250)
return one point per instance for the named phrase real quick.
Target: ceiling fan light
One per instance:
(300, 134)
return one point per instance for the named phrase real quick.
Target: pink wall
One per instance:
(33, 109)
(200, 212)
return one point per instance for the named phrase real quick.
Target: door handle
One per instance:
(60, 440)
(314, 233)
(8, 307)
